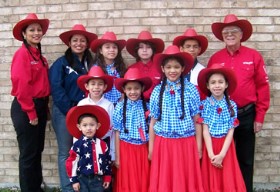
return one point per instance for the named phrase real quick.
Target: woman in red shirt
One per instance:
(29, 110)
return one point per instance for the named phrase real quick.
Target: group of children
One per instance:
(149, 121)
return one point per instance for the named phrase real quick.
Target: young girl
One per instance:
(88, 165)
(130, 124)
(174, 136)
(31, 89)
(143, 49)
(109, 58)
(220, 169)
(95, 84)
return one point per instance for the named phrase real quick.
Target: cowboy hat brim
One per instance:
(75, 112)
(65, 36)
(133, 42)
(244, 25)
(185, 57)
(205, 74)
(203, 42)
(120, 82)
(17, 30)
(82, 80)
(99, 42)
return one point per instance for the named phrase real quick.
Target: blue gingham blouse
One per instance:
(219, 123)
(135, 120)
(113, 95)
(170, 125)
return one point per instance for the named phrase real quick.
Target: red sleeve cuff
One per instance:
(107, 178)
(32, 115)
(259, 118)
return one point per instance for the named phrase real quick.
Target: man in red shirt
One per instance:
(252, 94)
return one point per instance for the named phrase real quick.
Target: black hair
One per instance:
(163, 87)
(182, 43)
(118, 61)
(138, 46)
(84, 115)
(87, 59)
(144, 104)
(230, 107)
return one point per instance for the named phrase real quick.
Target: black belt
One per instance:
(246, 108)
(41, 98)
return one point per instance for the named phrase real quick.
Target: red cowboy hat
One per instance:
(232, 20)
(30, 18)
(144, 37)
(204, 75)
(107, 37)
(77, 29)
(75, 112)
(95, 72)
(133, 74)
(191, 34)
(173, 51)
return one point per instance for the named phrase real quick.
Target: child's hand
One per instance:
(76, 187)
(106, 185)
(217, 161)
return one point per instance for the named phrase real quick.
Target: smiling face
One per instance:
(109, 52)
(96, 88)
(232, 36)
(217, 85)
(33, 34)
(172, 69)
(133, 90)
(78, 44)
(88, 125)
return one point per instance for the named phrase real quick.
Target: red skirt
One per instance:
(134, 171)
(175, 166)
(229, 178)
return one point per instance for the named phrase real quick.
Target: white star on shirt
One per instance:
(88, 166)
(78, 149)
(85, 145)
(87, 155)
(71, 70)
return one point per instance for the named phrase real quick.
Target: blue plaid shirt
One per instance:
(219, 123)
(170, 125)
(113, 95)
(135, 121)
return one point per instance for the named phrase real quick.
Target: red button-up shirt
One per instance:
(252, 79)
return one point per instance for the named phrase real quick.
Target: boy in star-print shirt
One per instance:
(88, 165)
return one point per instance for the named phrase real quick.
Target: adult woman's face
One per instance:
(78, 44)
(33, 34)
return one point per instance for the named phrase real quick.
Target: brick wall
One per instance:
(165, 19)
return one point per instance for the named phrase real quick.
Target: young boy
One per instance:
(95, 84)
(195, 45)
(88, 165)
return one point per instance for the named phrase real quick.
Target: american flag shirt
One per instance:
(170, 125)
(216, 114)
(89, 156)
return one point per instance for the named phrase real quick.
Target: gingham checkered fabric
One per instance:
(135, 119)
(218, 124)
(171, 126)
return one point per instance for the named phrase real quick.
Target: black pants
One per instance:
(31, 144)
(244, 138)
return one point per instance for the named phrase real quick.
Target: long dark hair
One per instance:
(163, 87)
(119, 61)
(87, 59)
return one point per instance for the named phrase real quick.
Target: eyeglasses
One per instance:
(230, 31)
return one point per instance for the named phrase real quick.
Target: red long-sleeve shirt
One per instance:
(252, 79)
(29, 79)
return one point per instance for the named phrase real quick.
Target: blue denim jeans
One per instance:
(91, 183)
(64, 141)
